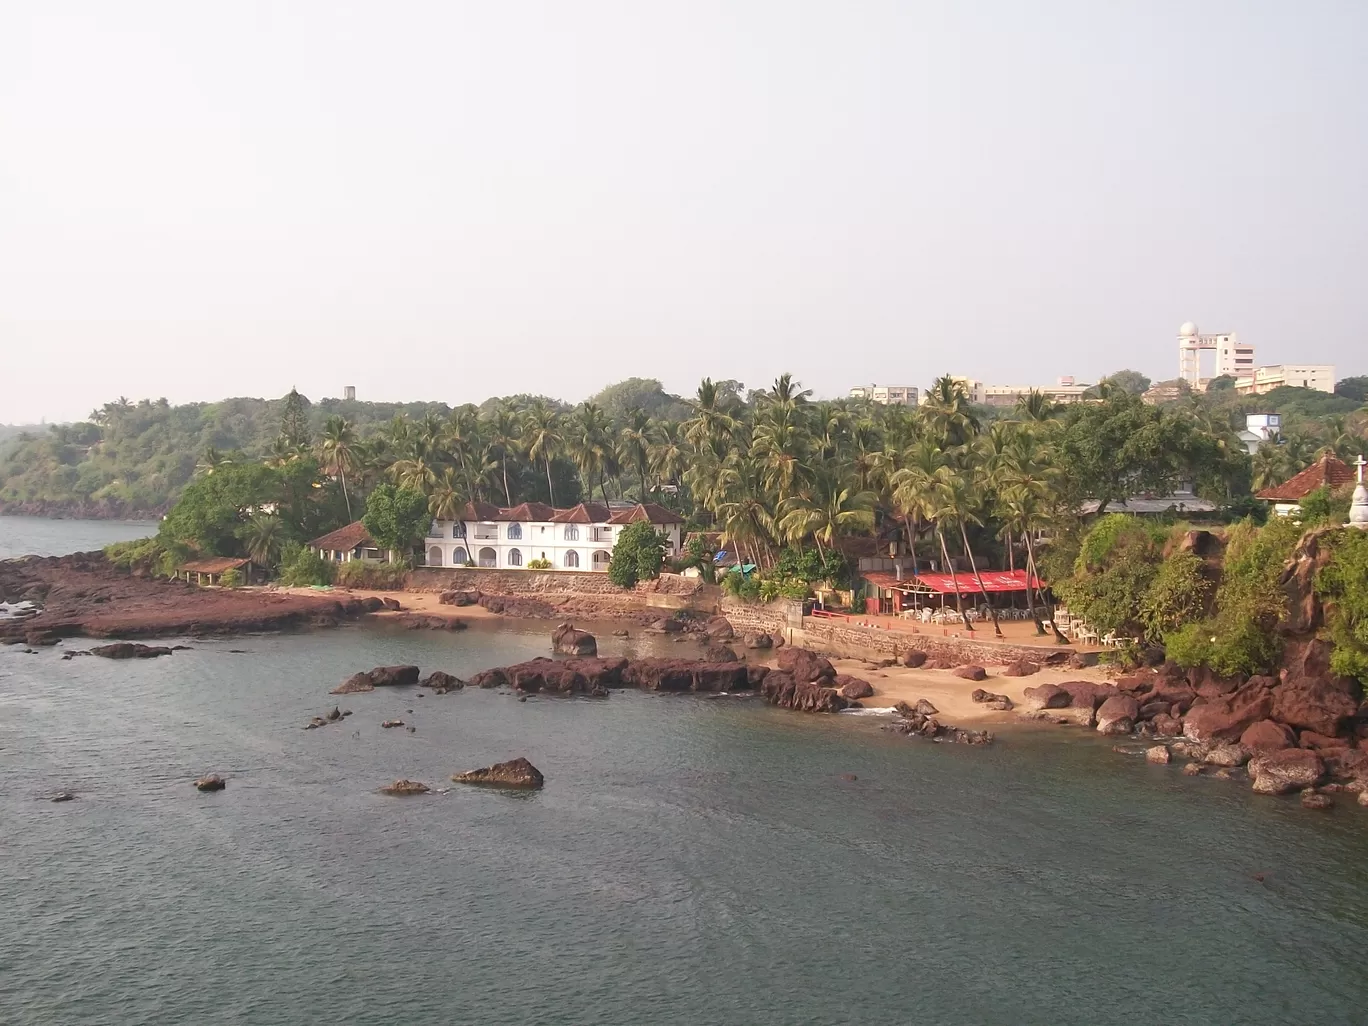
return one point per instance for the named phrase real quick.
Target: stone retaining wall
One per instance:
(668, 591)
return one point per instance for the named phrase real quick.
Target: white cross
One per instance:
(1359, 463)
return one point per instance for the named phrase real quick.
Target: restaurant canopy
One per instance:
(994, 581)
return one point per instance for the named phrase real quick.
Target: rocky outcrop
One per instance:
(1268, 736)
(717, 653)
(405, 788)
(393, 676)
(971, 672)
(597, 676)
(441, 682)
(1117, 715)
(853, 687)
(459, 598)
(1323, 704)
(428, 622)
(213, 782)
(1291, 769)
(1046, 696)
(920, 721)
(354, 684)
(999, 702)
(1226, 718)
(806, 666)
(719, 629)
(1020, 668)
(129, 650)
(517, 773)
(780, 688)
(568, 640)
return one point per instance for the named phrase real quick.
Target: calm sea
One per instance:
(38, 536)
(690, 860)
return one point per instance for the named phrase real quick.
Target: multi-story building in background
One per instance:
(1320, 376)
(1065, 390)
(1232, 357)
(886, 395)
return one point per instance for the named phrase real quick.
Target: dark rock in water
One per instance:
(915, 721)
(1159, 755)
(1228, 755)
(776, 639)
(412, 730)
(213, 782)
(392, 723)
(1313, 799)
(129, 650)
(1192, 769)
(405, 788)
(63, 796)
(393, 676)
(441, 682)
(719, 628)
(567, 640)
(357, 682)
(806, 666)
(1117, 715)
(667, 626)
(493, 678)
(417, 622)
(515, 773)
(779, 688)
(853, 687)
(925, 708)
(1291, 769)
(971, 672)
(719, 654)
(45, 638)
(757, 640)
(334, 714)
(315, 723)
(346, 712)
(914, 658)
(1020, 668)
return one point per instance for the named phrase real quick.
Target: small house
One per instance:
(1327, 472)
(348, 544)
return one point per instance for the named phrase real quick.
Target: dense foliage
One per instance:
(1343, 585)
(637, 556)
(396, 517)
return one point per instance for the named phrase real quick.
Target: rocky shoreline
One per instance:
(80, 510)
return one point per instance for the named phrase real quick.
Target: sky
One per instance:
(451, 200)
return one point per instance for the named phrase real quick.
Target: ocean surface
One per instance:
(691, 860)
(39, 536)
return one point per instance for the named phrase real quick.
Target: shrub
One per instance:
(302, 568)
(637, 556)
(539, 564)
(230, 578)
(1178, 595)
(376, 576)
(1343, 584)
(732, 582)
(1117, 561)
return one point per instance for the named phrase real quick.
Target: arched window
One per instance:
(488, 557)
(434, 556)
(459, 557)
(514, 532)
(601, 559)
(515, 557)
(572, 558)
(571, 532)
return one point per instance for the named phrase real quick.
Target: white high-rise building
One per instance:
(1231, 357)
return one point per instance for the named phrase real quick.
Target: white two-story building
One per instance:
(580, 538)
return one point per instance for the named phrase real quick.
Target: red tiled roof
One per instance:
(1326, 471)
(527, 512)
(477, 511)
(344, 539)
(584, 513)
(213, 566)
(646, 511)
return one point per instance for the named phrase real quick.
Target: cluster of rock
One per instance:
(920, 721)
(569, 640)
(428, 622)
(333, 715)
(130, 650)
(1002, 703)
(507, 604)
(595, 676)
(398, 676)
(515, 773)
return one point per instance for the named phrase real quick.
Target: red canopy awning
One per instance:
(993, 581)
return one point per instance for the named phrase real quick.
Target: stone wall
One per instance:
(669, 591)
(846, 638)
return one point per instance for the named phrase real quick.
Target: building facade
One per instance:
(886, 395)
(1065, 390)
(1232, 357)
(1320, 376)
(580, 538)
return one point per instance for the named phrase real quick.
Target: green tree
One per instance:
(337, 452)
(294, 420)
(1343, 585)
(396, 518)
(262, 536)
(1128, 381)
(637, 556)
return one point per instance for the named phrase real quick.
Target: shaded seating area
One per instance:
(211, 571)
(924, 596)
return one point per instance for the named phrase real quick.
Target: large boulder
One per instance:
(1322, 704)
(719, 628)
(568, 640)
(914, 657)
(1291, 769)
(1226, 718)
(1046, 696)
(213, 782)
(357, 682)
(1020, 668)
(129, 650)
(780, 688)
(441, 682)
(393, 676)
(805, 665)
(514, 773)
(971, 672)
(1117, 715)
(1166, 725)
(1224, 753)
(757, 640)
(404, 788)
(853, 687)
(1087, 694)
(719, 653)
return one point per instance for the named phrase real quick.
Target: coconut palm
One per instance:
(541, 434)
(960, 500)
(668, 451)
(448, 498)
(947, 412)
(210, 460)
(337, 452)
(914, 489)
(634, 442)
(712, 424)
(502, 430)
(417, 470)
(589, 443)
(1035, 407)
(263, 536)
(826, 508)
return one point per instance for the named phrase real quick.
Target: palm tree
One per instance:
(949, 500)
(1035, 406)
(415, 470)
(914, 489)
(712, 424)
(667, 452)
(960, 500)
(786, 393)
(947, 412)
(826, 509)
(746, 517)
(634, 442)
(263, 537)
(502, 430)
(589, 444)
(448, 498)
(337, 452)
(210, 459)
(780, 442)
(541, 433)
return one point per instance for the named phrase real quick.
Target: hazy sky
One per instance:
(451, 200)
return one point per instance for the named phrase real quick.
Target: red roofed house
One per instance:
(346, 544)
(1326, 472)
(579, 538)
